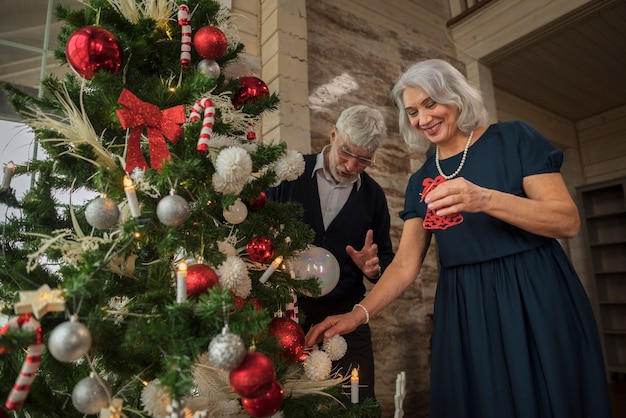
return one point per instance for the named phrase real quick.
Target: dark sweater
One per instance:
(365, 209)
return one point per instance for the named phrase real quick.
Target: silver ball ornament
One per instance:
(69, 341)
(227, 350)
(91, 394)
(102, 213)
(209, 68)
(173, 210)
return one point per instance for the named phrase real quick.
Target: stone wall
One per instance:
(354, 56)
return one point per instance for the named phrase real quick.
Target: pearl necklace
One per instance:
(458, 170)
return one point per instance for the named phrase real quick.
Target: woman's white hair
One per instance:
(444, 84)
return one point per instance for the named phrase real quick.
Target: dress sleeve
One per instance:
(412, 197)
(537, 155)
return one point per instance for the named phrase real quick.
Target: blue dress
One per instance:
(514, 333)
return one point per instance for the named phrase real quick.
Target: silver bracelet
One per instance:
(367, 314)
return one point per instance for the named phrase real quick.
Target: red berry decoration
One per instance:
(254, 376)
(200, 278)
(266, 405)
(210, 42)
(93, 48)
(251, 89)
(257, 203)
(290, 336)
(241, 302)
(260, 249)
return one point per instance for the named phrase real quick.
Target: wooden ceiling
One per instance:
(576, 70)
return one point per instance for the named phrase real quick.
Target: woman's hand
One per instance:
(333, 325)
(458, 195)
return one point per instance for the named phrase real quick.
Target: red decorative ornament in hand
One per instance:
(432, 220)
(210, 42)
(266, 405)
(290, 336)
(200, 278)
(260, 249)
(93, 48)
(254, 376)
(251, 89)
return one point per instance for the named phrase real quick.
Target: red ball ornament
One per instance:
(258, 202)
(210, 42)
(251, 89)
(254, 376)
(266, 405)
(93, 48)
(200, 278)
(260, 249)
(290, 336)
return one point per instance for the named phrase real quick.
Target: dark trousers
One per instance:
(360, 353)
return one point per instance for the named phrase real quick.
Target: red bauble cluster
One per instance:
(266, 405)
(93, 48)
(200, 278)
(254, 376)
(260, 249)
(255, 381)
(210, 42)
(290, 336)
(251, 89)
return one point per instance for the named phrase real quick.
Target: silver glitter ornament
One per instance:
(209, 68)
(173, 210)
(91, 394)
(102, 213)
(227, 350)
(69, 341)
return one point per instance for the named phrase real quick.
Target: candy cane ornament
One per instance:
(20, 389)
(207, 121)
(185, 41)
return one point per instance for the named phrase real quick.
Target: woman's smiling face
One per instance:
(435, 121)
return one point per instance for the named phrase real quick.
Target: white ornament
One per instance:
(318, 366)
(236, 213)
(336, 347)
(69, 341)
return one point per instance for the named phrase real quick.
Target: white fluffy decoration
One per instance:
(289, 166)
(223, 185)
(336, 347)
(155, 399)
(234, 164)
(233, 275)
(318, 366)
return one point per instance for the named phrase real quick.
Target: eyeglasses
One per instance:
(346, 155)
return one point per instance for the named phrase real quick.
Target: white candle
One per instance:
(354, 386)
(181, 282)
(271, 269)
(9, 170)
(131, 195)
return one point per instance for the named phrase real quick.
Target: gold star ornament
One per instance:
(41, 301)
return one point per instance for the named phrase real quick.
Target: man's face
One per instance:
(346, 160)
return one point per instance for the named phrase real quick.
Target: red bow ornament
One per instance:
(160, 123)
(432, 220)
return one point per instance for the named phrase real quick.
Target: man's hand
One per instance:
(367, 258)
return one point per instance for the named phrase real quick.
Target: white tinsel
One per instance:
(336, 347)
(220, 141)
(157, 10)
(233, 275)
(155, 399)
(289, 166)
(318, 365)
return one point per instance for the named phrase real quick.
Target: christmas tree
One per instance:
(172, 291)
